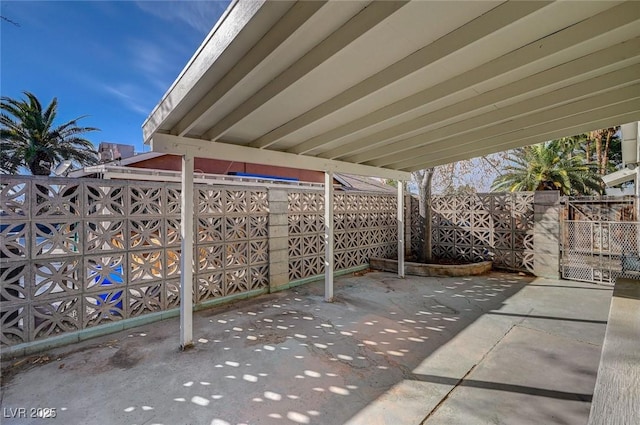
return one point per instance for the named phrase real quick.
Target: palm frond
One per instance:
(28, 136)
(557, 164)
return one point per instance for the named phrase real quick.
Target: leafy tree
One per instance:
(423, 179)
(391, 182)
(29, 138)
(602, 147)
(452, 178)
(554, 165)
(606, 146)
(462, 190)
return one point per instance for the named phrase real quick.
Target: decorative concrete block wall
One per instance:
(232, 241)
(80, 253)
(365, 225)
(485, 226)
(76, 254)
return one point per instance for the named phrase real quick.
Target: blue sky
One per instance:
(110, 60)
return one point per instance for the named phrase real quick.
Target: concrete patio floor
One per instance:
(495, 349)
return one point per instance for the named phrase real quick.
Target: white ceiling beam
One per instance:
(165, 143)
(602, 23)
(497, 18)
(395, 151)
(527, 125)
(596, 112)
(282, 30)
(620, 53)
(588, 125)
(366, 19)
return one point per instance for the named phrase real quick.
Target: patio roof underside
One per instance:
(385, 88)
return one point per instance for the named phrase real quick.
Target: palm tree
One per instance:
(554, 165)
(28, 137)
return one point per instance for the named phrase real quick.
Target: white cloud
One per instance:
(199, 15)
(129, 96)
(151, 61)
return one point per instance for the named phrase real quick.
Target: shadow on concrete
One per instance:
(591, 288)
(486, 385)
(559, 319)
(292, 358)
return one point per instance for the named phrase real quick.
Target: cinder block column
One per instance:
(407, 224)
(546, 234)
(278, 239)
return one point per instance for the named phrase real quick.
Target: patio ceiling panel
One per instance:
(547, 81)
(410, 73)
(517, 116)
(435, 74)
(522, 62)
(317, 56)
(398, 86)
(256, 60)
(598, 118)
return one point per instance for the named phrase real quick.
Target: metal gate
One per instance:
(598, 244)
(600, 251)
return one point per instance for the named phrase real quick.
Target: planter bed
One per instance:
(421, 269)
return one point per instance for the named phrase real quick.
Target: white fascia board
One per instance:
(165, 143)
(138, 158)
(230, 24)
(82, 172)
(619, 177)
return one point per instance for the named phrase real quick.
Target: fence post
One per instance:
(546, 234)
(328, 236)
(401, 228)
(407, 224)
(186, 261)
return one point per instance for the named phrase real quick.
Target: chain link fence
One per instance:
(600, 251)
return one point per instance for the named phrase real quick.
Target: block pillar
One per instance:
(278, 238)
(546, 234)
(401, 228)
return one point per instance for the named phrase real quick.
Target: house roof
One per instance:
(384, 88)
(350, 182)
(120, 169)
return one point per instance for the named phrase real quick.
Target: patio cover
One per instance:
(384, 88)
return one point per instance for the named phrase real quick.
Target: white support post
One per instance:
(400, 228)
(637, 187)
(631, 157)
(186, 262)
(328, 236)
